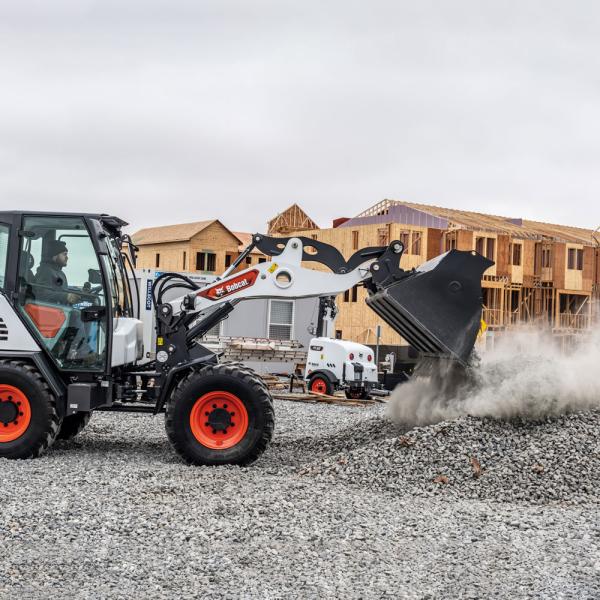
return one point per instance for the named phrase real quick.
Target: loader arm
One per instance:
(285, 277)
(436, 307)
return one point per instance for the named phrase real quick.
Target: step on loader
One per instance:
(71, 336)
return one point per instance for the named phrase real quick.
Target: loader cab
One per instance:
(71, 287)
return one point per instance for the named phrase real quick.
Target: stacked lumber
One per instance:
(256, 349)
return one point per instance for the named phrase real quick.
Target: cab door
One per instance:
(61, 293)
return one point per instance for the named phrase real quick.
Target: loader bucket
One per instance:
(437, 307)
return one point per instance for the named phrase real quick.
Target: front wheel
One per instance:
(220, 415)
(29, 419)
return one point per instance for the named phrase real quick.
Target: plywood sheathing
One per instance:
(181, 232)
(178, 246)
(434, 243)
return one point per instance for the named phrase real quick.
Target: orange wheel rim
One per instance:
(319, 385)
(15, 413)
(219, 420)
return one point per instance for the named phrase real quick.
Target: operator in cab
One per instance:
(50, 276)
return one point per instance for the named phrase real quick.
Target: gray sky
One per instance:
(164, 112)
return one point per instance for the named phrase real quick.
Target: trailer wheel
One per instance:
(29, 420)
(320, 384)
(73, 425)
(220, 415)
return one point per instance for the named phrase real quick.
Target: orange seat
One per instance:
(48, 319)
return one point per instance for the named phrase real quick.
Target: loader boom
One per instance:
(436, 308)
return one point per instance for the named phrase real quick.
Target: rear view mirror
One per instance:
(94, 276)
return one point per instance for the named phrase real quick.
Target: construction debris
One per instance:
(476, 467)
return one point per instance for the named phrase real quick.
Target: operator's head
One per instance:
(58, 253)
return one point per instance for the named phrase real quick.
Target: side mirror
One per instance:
(94, 276)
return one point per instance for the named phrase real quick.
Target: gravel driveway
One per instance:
(342, 505)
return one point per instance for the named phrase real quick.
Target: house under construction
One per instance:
(543, 274)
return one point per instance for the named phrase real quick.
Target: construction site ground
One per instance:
(344, 504)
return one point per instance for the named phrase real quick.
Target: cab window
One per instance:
(61, 292)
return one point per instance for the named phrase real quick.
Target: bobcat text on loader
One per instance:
(71, 337)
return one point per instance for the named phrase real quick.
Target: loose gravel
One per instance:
(343, 505)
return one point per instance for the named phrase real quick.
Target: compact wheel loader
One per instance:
(71, 338)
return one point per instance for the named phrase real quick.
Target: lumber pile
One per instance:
(256, 349)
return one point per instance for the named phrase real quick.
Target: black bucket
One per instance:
(437, 307)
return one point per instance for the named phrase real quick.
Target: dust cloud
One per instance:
(527, 374)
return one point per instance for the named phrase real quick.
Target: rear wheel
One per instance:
(29, 420)
(73, 425)
(320, 384)
(220, 415)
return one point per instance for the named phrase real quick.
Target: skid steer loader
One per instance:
(71, 338)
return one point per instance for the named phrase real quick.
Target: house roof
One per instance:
(182, 232)
(465, 219)
(291, 219)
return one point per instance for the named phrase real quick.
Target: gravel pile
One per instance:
(114, 513)
(553, 460)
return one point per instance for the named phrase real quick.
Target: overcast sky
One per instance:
(165, 112)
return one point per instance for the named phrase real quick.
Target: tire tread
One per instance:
(54, 422)
(231, 369)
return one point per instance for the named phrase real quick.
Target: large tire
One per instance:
(246, 369)
(73, 425)
(320, 384)
(220, 415)
(29, 420)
